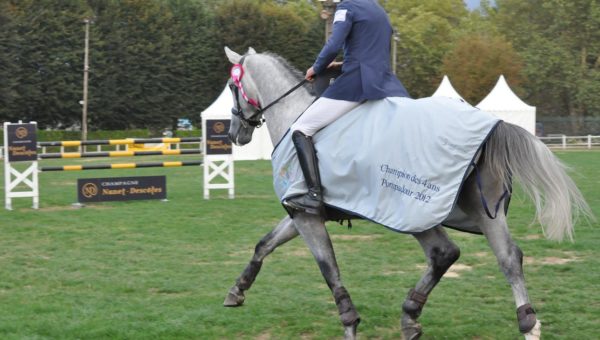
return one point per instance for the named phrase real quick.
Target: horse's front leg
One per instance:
(282, 233)
(312, 229)
(441, 254)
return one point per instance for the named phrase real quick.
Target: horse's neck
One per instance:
(273, 80)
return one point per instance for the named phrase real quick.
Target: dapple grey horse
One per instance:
(511, 152)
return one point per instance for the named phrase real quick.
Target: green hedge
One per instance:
(190, 133)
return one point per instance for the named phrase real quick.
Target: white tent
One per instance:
(504, 103)
(259, 148)
(447, 90)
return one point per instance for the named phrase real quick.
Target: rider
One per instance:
(363, 28)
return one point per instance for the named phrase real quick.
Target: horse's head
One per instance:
(246, 111)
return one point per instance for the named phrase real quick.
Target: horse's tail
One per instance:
(513, 152)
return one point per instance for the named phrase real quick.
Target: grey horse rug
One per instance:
(398, 162)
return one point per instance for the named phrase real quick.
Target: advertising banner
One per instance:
(21, 142)
(121, 188)
(217, 141)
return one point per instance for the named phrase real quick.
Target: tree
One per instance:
(476, 62)
(201, 56)
(425, 31)
(559, 42)
(8, 61)
(129, 86)
(269, 26)
(153, 62)
(45, 74)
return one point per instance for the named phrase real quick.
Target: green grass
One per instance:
(160, 270)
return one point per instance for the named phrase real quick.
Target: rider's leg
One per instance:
(321, 113)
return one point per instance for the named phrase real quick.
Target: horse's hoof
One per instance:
(526, 318)
(350, 332)
(235, 298)
(412, 333)
(535, 333)
(411, 329)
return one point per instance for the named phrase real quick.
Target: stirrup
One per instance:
(311, 203)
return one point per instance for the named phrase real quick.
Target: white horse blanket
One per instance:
(398, 162)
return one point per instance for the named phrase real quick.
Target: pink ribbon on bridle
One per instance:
(256, 120)
(237, 72)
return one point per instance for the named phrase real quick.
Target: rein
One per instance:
(237, 73)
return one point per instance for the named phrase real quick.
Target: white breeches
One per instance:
(321, 113)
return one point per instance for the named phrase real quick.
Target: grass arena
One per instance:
(152, 269)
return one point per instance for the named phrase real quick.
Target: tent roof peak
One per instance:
(447, 90)
(502, 98)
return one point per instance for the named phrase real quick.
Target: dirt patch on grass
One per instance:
(95, 206)
(254, 196)
(551, 260)
(307, 336)
(355, 237)
(56, 208)
(264, 336)
(199, 263)
(298, 252)
(392, 272)
(533, 237)
(457, 269)
(68, 207)
(167, 291)
(454, 271)
(246, 253)
(232, 263)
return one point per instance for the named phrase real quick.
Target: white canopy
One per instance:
(259, 148)
(504, 103)
(447, 90)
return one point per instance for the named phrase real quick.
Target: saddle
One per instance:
(324, 79)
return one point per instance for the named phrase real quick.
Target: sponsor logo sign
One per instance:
(22, 142)
(217, 141)
(121, 188)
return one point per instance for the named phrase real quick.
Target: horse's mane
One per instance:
(294, 71)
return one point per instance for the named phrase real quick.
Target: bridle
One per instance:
(235, 84)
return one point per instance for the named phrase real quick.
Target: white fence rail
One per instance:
(571, 142)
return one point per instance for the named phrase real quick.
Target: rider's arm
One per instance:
(342, 23)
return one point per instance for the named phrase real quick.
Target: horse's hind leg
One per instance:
(441, 254)
(508, 254)
(312, 229)
(510, 260)
(282, 233)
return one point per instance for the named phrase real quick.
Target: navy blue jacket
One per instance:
(363, 29)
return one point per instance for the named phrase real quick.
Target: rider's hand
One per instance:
(310, 74)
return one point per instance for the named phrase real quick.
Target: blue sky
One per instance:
(472, 4)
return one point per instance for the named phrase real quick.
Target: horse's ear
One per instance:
(251, 50)
(233, 57)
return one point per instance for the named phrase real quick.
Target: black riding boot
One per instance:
(311, 202)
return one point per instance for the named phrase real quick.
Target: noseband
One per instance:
(235, 84)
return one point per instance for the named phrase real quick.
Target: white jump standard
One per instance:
(20, 146)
